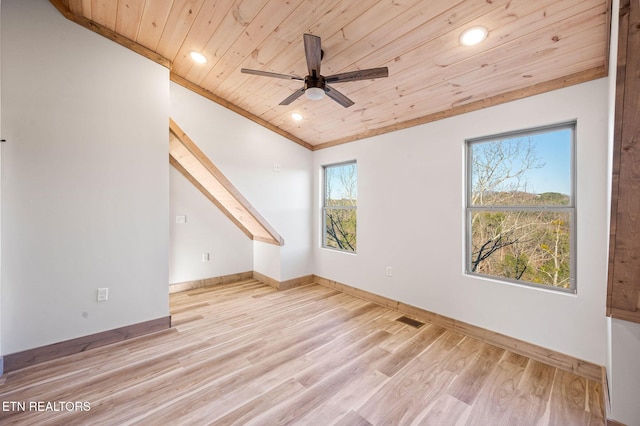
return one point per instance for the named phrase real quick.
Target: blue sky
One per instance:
(554, 150)
(337, 187)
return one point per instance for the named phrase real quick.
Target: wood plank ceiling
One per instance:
(532, 47)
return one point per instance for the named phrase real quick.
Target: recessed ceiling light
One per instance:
(198, 57)
(473, 36)
(296, 116)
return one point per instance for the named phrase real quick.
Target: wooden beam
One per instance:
(623, 287)
(234, 205)
(207, 194)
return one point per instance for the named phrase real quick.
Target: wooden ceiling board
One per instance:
(256, 25)
(105, 12)
(532, 47)
(210, 16)
(152, 22)
(80, 7)
(129, 18)
(177, 26)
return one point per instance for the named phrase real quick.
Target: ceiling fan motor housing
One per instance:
(313, 81)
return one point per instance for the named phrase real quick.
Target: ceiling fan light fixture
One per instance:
(314, 93)
(315, 84)
(473, 36)
(198, 57)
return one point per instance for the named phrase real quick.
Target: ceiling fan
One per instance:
(315, 84)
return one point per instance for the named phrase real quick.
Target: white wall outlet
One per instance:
(181, 219)
(389, 271)
(276, 167)
(103, 295)
(205, 257)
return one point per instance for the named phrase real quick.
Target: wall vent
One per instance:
(410, 321)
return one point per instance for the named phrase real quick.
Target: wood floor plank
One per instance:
(569, 399)
(246, 353)
(260, 404)
(407, 394)
(411, 349)
(352, 419)
(400, 337)
(473, 361)
(353, 393)
(341, 357)
(534, 390)
(537, 380)
(595, 396)
(231, 393)
(471, 380)
(444, 411)
(312, 398)
(498, 393)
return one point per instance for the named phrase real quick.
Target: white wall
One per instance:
(85, 180)
(411, 217)
(268, 260)
(245, 153)
(207, 230)
(625, 374)
(1, 360)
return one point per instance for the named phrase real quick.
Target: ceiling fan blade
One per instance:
(358, 75)
(337, 96)
(271, 74)
(292, 97)
(313, 53)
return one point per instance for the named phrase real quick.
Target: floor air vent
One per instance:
(410, 321)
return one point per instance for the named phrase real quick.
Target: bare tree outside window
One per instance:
(340, 204)
(520, 207)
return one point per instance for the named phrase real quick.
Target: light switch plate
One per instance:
(103, 295)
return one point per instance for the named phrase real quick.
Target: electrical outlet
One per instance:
(205, 257)
(181, 219)
(103, 295)
(276, 167)
(389, 271)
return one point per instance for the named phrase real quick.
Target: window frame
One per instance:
(570, 208)
(325, 208)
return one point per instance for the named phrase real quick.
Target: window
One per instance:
(521, 207)
(339, 206)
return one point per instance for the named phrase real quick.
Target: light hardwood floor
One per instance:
(245, 353)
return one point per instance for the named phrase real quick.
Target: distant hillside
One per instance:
(523, 198)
